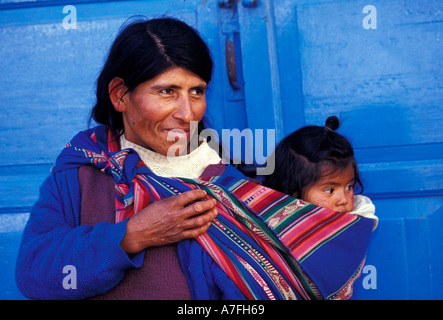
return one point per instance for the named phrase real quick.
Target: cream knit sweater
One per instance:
(188, 166)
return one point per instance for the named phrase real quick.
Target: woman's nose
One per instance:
(184, 110)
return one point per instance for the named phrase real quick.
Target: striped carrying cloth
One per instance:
(271, 245)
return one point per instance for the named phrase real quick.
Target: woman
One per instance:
(135, 226)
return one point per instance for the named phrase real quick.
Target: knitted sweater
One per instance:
(188, 166)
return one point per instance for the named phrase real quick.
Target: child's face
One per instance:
(334, 191)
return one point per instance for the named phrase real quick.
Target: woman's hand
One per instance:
(169, 220)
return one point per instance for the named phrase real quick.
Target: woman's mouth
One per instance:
(177, 134)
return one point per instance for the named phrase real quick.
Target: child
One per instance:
(316, 164)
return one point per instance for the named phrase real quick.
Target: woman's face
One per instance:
(334, 191)
(162, 105)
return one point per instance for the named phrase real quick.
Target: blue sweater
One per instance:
(53, 238)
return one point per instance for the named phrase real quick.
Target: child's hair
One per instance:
(308, 154)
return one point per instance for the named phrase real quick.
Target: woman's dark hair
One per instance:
(308, 154)
(143, 50)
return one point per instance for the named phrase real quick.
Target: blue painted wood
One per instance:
(301, 61)
(390, 263)
(287, 43)
(383, 82)
(9, 245)
(406, 249)
(261, 74)
(436, 252)
(22, 183)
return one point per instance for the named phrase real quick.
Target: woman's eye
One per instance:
(167, 91)
(197, 92)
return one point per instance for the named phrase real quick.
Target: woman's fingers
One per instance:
(170, 220)
(198, 215)
(200, 220)
(185, 198)
(198, 225)
(193, 203)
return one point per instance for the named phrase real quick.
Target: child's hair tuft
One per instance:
(332, 123)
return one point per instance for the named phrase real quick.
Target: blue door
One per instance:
(279, 65)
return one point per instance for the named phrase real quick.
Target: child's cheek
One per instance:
(350, 205)
(324, 203)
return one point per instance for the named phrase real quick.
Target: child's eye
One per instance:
(329, 191)
(350, 187)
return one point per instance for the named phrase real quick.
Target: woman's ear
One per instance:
(117, 94)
